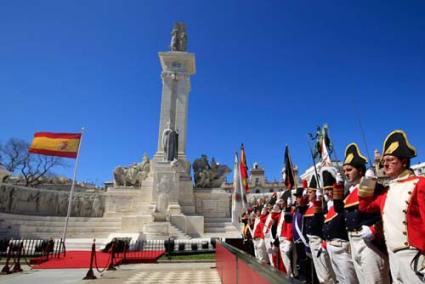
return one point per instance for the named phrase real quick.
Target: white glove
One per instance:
(319, 194)
(326, 198)
(339, 178)
(370, 174)
(289, 201)
(367, 234)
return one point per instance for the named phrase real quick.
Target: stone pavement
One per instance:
(45, 276)
(176, 273)
(146, 273)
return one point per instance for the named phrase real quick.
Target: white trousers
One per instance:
(285, 248)
(270, 250)
(260, 250)
(371, 265)
(400, 266)
(341, 261)
(322, 264)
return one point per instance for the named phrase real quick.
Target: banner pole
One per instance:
(68, 213)
(241, 187)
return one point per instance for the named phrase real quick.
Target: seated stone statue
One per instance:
(209, 176)
(132, 175)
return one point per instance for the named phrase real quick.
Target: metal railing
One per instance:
(132, 251)
(236, 266)
(33, 247)
(13, 251)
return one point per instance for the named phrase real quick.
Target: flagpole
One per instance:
(68, 213)
(235, 203)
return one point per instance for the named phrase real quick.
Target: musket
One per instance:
(363, 134)
(315, 171)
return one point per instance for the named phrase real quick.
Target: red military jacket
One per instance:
(402, 206)
(284, 228)
(271, 219)
(258, 226)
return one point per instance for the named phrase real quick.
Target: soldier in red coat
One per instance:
(402, 206)
(284, 235)
(259, 243)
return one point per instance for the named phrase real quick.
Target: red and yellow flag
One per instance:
(244, 170)
(56, 144)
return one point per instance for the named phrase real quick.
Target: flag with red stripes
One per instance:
(244, 170)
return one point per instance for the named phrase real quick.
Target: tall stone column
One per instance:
(177, 67)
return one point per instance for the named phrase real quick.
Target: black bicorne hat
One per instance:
(299, 191)
(328, 179)
(313, 183)
(353, 156)
(396, 144)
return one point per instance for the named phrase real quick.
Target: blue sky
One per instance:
(267, 73)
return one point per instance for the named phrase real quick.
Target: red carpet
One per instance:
(76, 259)
(143, 256)
(81, 259)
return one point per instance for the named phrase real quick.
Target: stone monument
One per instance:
(157, 194)
(177, 67)
(172, 192)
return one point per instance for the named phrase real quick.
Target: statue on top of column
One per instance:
(179, 38)
(170, 139)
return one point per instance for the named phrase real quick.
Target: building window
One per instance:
(257, 191)
(257, 181)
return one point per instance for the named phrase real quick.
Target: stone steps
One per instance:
(225, 235)
(84, 244)
(223, 230)
(71, 223)
(219, 225)
(6, 217)
(217, 220)
(44, 227)
(177, 233)
(220, 228)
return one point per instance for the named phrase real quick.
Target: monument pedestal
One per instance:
(135, 223)
(157, 231)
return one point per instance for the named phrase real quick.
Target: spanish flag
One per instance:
(56, 144)
(244, 170)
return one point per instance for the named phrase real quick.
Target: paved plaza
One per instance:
(177, 273)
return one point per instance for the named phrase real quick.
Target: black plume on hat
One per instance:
(353, 156)
(396, 144)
